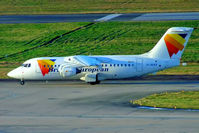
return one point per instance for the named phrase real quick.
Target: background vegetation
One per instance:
(109, 38)
(95, 6)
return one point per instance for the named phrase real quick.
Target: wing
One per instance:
(82, 60)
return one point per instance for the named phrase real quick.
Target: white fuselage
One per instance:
(113, 67)
(92, 69)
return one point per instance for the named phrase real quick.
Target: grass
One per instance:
(95, 6)
(108, 38)
(181, 100)
(190, 69)
(18, 37)
(99, 39)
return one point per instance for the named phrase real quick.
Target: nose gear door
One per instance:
(22, 73)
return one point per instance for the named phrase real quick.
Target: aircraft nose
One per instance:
(10, 74)
(16, 73)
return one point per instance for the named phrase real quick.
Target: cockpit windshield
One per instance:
(26, 65)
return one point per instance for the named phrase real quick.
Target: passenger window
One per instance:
(29, 65)
(44, 65)
(48, 65)
(111, 65)
(105, 65)
(121, 65)
(51, 65)
(114, 65)
(118, 65)
(129, 65)
(102, 65)
(125, 65)
(55, 65)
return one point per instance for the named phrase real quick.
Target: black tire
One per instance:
(22, 82)
(94, 83)
(98, 82)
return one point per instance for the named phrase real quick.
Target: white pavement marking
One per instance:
(167, 16)
(108, 17)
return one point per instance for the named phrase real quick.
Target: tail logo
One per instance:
(174, 43)
(46, 65)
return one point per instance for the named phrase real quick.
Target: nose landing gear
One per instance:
(22, 82)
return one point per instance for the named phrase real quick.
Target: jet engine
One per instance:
(66, 71)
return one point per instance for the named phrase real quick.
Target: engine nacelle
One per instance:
(68, 71)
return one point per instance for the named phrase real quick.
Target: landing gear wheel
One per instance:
(94, 83)
(97, 82)
(22, 82)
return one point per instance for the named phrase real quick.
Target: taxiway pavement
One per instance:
(77, 107)
(7, 19)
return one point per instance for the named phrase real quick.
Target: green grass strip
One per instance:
(177, 100)
(108, 38)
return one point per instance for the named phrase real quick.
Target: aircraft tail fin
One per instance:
(172, 43)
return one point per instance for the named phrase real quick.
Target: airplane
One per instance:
(93, 69)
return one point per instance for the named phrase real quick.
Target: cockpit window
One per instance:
(26, 65)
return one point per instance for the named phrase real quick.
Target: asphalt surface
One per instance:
(6, 19)
(77, 107)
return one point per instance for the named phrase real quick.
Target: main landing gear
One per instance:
(94, 83)
(22, 82)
